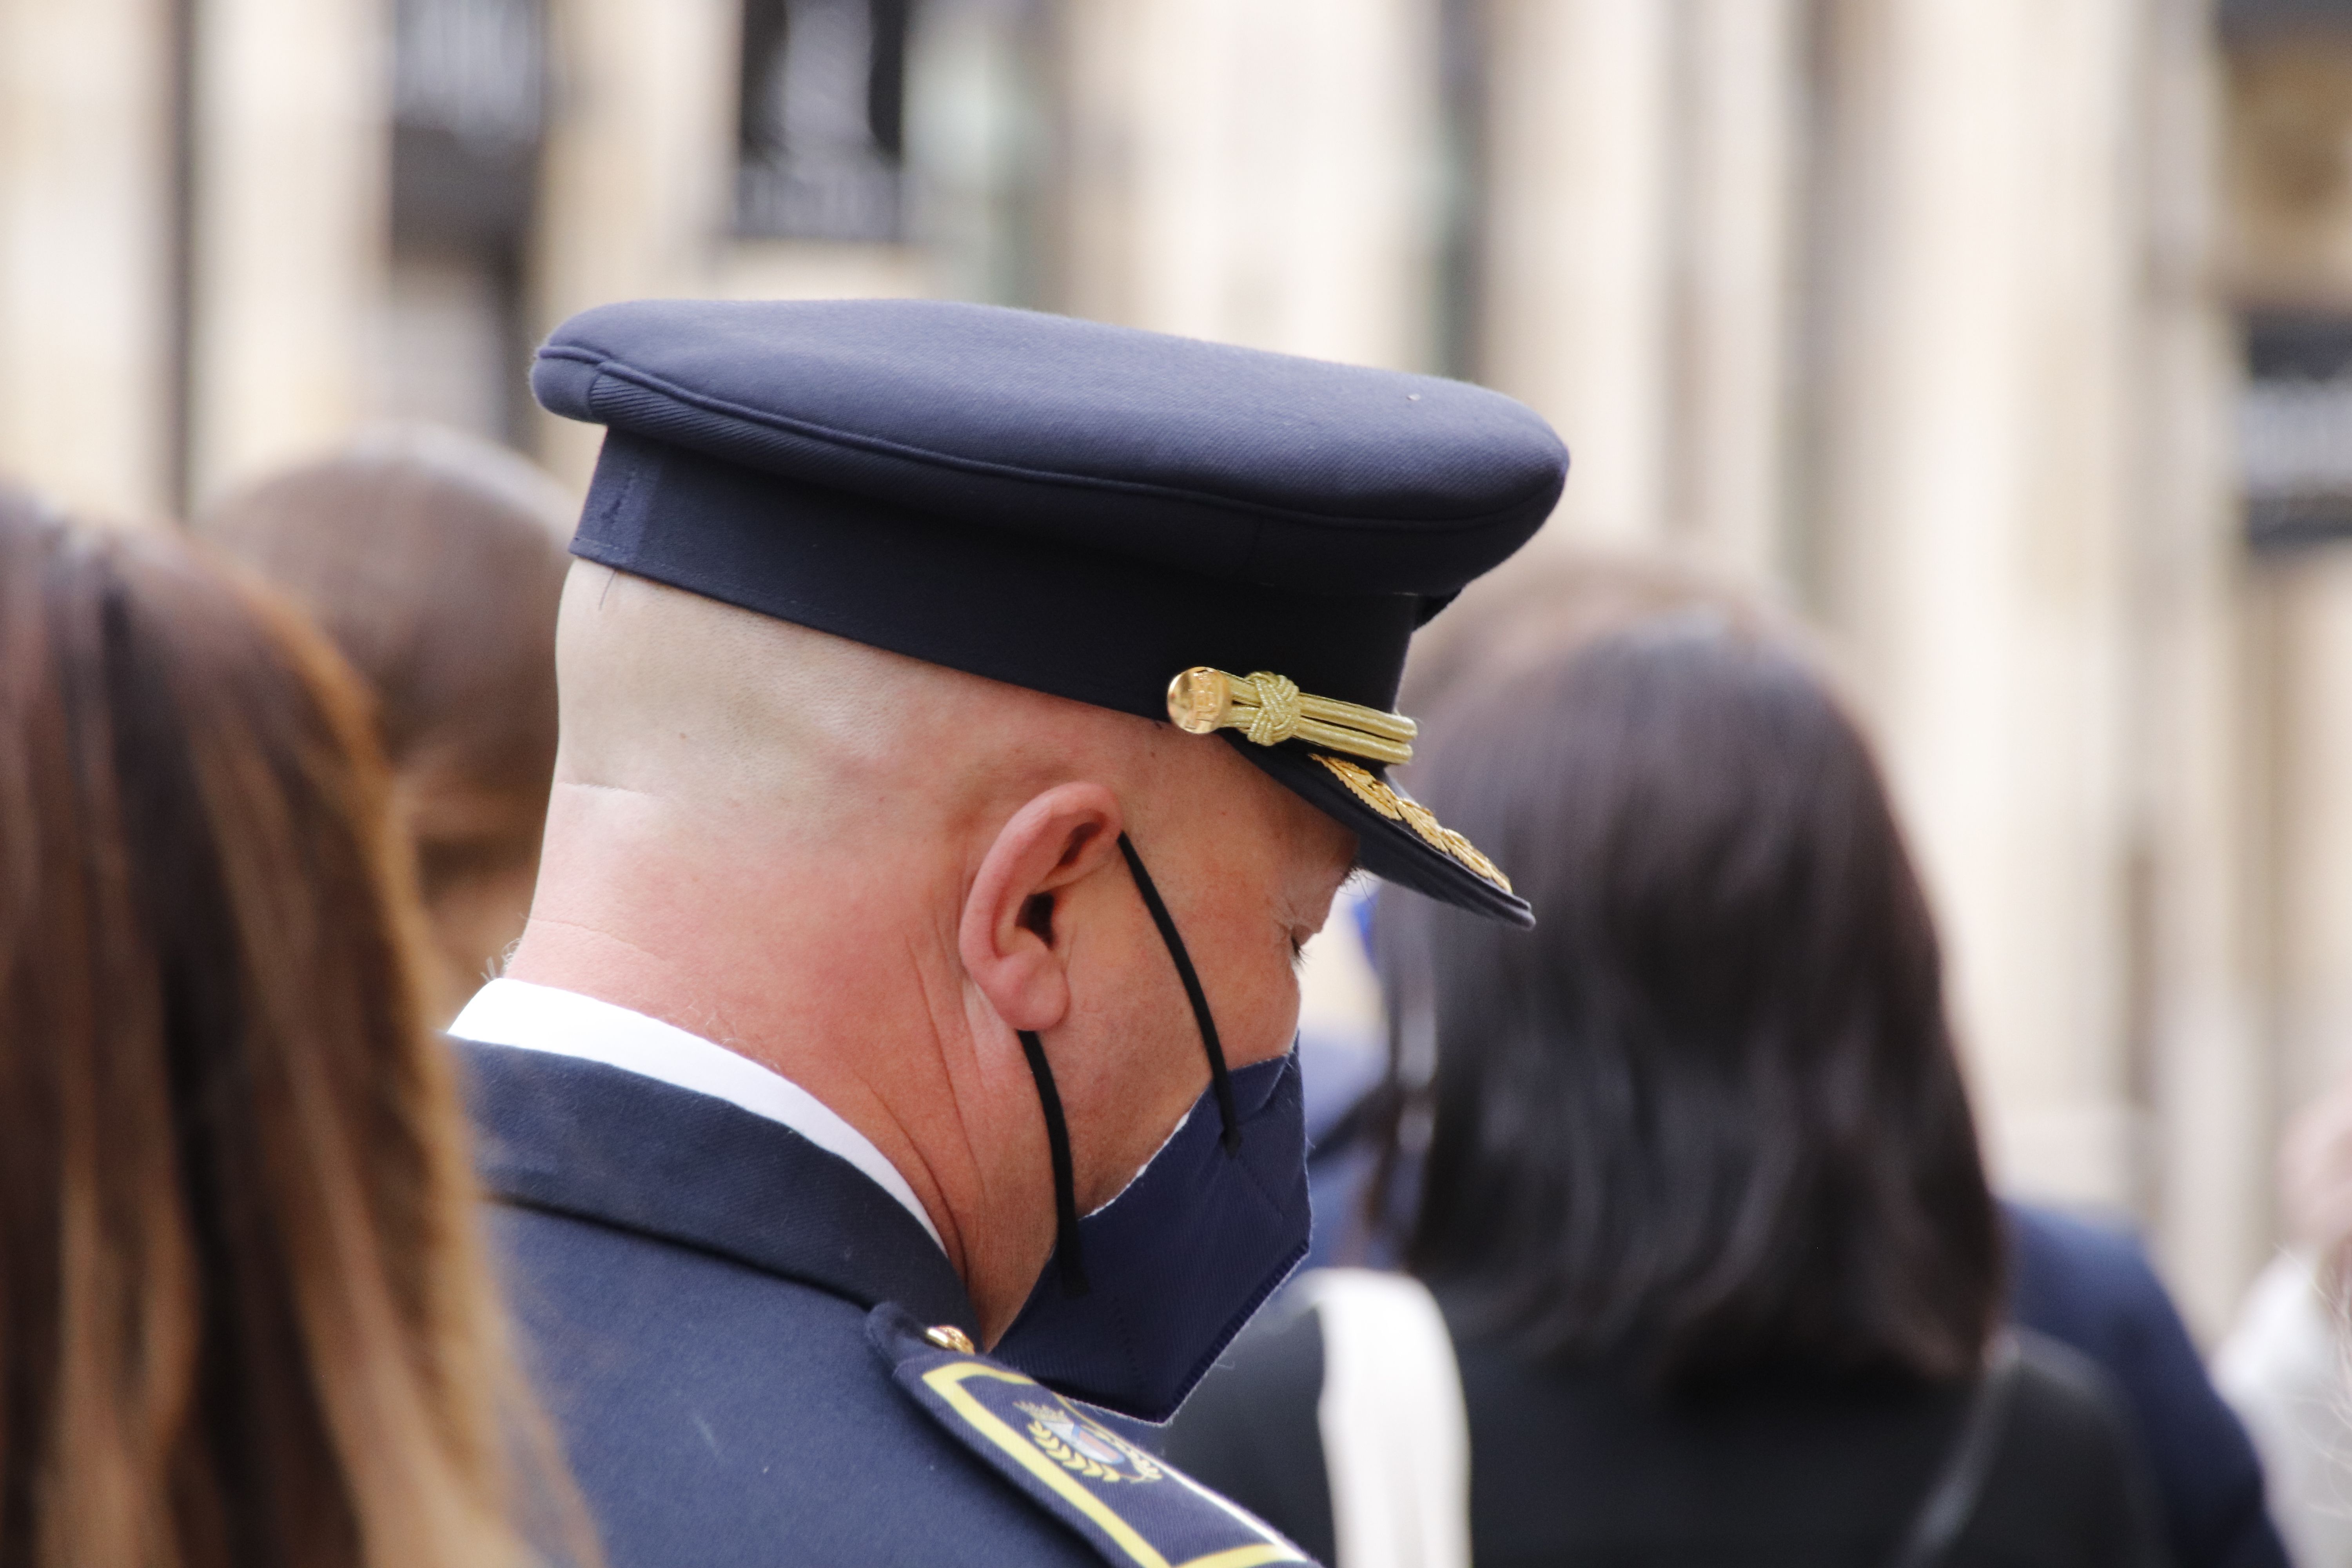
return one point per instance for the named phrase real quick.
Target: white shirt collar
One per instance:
(565, 1023)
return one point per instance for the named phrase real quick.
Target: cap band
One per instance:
(1076, 623)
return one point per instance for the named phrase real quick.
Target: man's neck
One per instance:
(865, 1063)
(861, 1037)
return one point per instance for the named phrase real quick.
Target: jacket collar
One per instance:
(614, 1147)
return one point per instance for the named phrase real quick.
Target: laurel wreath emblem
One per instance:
(1042, 1419)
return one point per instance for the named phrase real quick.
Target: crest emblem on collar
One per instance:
(1134, 1510)
(1078, 1444)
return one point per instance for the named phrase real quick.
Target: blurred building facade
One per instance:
(2009, 340)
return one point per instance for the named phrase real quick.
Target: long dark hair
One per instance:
(1707, 1111)
(244, 1318)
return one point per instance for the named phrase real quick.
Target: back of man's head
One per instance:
(741, 723)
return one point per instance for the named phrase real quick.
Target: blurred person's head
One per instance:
(245, 1317)
(1707, 1111)
(1540, 609)
(435, 563)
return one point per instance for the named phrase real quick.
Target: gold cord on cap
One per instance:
(1269, 710)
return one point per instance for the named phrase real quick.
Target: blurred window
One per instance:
(469, 98)
(469, 103)
(2241, 19)
(820, 135)
(2295, 429)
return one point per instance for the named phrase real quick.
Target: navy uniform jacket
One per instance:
(2092, 1288)
(725, 1323)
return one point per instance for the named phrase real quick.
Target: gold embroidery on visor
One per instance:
(1270, 710)
(1378, 795)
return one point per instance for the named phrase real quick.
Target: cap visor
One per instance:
(1388, 849)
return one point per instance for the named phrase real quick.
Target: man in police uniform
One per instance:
(967, 715)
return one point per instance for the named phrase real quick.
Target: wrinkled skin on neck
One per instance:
(867, 873)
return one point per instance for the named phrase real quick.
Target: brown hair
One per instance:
(1542, 609)
(244, 1318)
(1707, 1112)
(435, 564)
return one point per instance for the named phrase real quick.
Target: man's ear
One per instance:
(1009, 940)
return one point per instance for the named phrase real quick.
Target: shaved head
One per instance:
(671, 695)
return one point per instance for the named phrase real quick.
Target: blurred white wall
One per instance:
(2287, 245)
(1580, 244)
(292, 234)
(1971, 504)
(1640, 235)
(86, 342)
(637, 183)
(2196, 929)
(1740, 90)
(1263, 171)
(273, 290)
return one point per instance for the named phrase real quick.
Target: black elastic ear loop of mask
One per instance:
(1220, 1079)
(1072, 1266)
(1068, 1255)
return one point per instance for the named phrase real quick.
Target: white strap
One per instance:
(1396, 1439)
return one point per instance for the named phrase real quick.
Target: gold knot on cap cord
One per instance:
(1278, 713)
(1269, 709)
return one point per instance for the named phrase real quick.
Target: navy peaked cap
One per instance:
(1085, 509)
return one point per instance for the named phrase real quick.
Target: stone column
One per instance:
(86, 400)
(1639, 242)
(1578, 280)
(293, 154)
(1261, 171)
(637, 187)
(2285, 242)
(1972, 317)
(2307, 615)
(1737, 136)
(2196, 887)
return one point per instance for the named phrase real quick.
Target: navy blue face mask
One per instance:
(1144, 1295)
